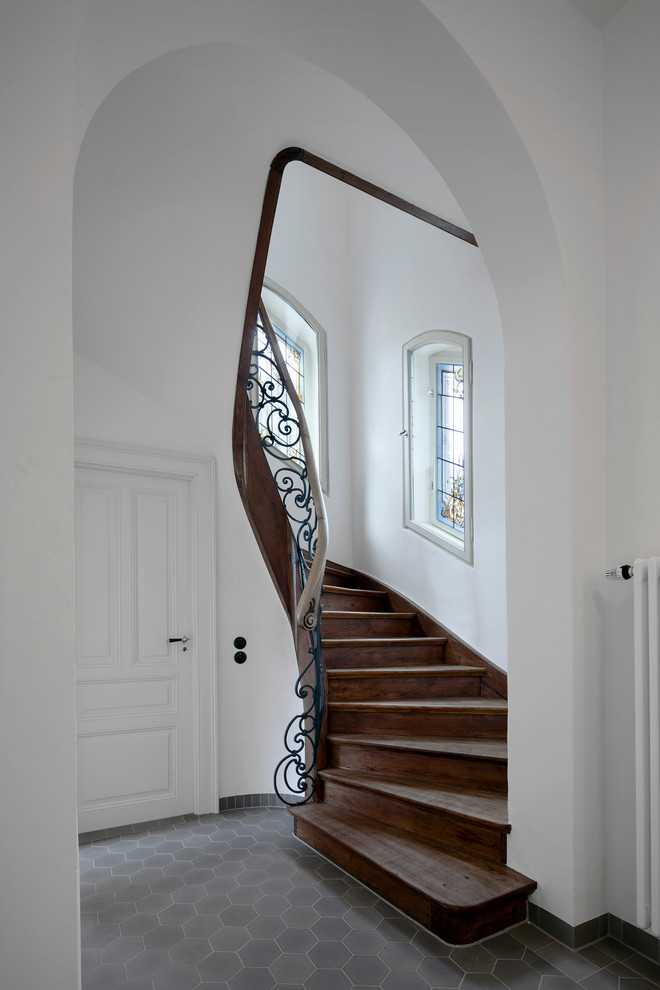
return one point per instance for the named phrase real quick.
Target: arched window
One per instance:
(438, 433)
(303, 344)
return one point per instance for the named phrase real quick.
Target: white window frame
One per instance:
(420, 358)
(307, 333)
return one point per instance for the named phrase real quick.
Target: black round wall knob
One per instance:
(240, 642)
(240, 657)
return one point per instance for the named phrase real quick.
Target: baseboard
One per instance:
(639, 940)
(575, 937)
(237, 801)
(590, 931)
(234, 803)
(118, 831)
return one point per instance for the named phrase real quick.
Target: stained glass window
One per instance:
(450, 440)
(438, 439)
(294, 357)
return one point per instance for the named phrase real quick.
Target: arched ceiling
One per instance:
(168, 191)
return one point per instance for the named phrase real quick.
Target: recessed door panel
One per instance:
(121, 767)
(135, 688)
(154, 516)
(126, 697)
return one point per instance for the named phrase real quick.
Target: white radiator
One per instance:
(646, 583)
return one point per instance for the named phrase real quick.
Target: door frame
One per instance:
(200, 472)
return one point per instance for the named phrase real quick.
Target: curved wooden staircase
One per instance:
(411, 795)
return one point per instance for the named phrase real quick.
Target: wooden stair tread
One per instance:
(437, 670)
(383, 641)
(489, 808)
(450, 880)
(485, 749)
(477, 706)
(329, 613)
(338, 589)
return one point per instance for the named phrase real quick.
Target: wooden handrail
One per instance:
(370, 189)
(256, 486)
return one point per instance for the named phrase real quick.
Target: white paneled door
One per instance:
(136, 646)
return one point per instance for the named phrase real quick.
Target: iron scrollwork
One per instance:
(281, 439)
(281, 433)
(296, 772)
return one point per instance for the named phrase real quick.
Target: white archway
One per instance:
(403, 60)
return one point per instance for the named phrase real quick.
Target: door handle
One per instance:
(180, 639)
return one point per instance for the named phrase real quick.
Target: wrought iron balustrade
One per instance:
(286, 442)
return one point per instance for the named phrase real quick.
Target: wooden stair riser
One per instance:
(342, 653)
(354, 600)
(470, 771)
(502, 914)
(456, 925)
(475, 726)
(381, 687)
(340, 625)
(337, 576)
(438, 826)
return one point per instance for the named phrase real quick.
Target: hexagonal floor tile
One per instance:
(220, 966)
(237, 902)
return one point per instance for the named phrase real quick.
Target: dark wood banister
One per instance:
(256, 486)
(376, 192)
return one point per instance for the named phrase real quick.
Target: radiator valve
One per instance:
(622, 573)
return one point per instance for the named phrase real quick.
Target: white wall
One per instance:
(106, 408)
(38, 850)
(632, 158)
(407, 278)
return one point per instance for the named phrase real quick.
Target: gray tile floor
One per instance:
(235, 902)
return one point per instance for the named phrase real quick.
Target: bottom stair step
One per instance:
(459, 899)
(434, 811)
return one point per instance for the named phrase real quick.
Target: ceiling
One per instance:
(597, 11)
